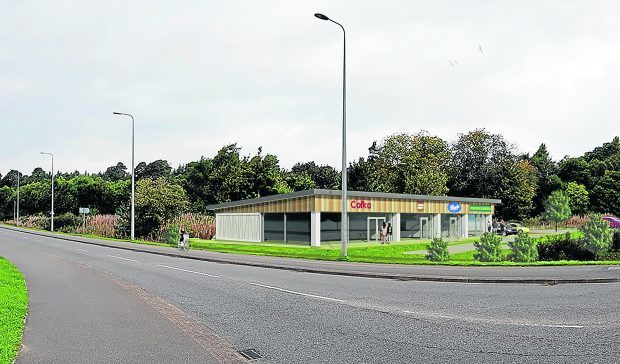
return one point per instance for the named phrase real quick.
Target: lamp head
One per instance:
(321, 16)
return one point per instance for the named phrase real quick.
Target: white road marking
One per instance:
(82, 250)
(188, 271)
(131, 260)
(491, 321)
(297, 293)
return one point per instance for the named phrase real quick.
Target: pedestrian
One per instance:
(383, 233)
(489, 226)
(495, 226)
(389, 232)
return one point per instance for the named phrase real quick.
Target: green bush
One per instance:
(523, 249)
(67, 222)
(597, 235)
(562, 247)
(438, 251)
(616, 240)
(171, 236)
(489, 248)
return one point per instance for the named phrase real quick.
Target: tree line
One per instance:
(476, 164)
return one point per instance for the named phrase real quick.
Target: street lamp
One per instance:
(344, 229)
(52, 214)
(133, 180)
(17, 209)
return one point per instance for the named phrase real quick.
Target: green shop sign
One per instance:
(479, 208)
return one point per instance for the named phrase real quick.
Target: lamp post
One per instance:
(52, 214)
(344, 227)
(17, 209)
(133, 180)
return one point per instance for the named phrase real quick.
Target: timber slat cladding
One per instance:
(328, 203)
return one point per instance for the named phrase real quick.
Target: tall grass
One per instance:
(197, 226)
(101, 225)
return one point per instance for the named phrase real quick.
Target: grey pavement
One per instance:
(536, 275)
(299, 317)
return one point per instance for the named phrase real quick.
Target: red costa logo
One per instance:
(360, 204)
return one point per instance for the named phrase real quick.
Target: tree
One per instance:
(10, 179)
(414, 164)
(578, 197)
(116, 173)
(478, 159)
(324, 176)
(523, 249)
(139, 170)
(438, 251)
(263, 176)
(606, 194)
(597, 235)
(155, 169)
(516, 187)
(359, 175)
(298, 181)
(157, 201)
(575, 170)
(37, 175)
(489, 248)
(557, 207)
(546, 176)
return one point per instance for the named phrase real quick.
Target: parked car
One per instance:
(513, 228)
(614, 222)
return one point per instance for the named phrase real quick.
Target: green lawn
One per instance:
(13, 307)
(358, 251)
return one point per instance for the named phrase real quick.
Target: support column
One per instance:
(437, 226)
(285, 227)
(465, 225)
(315, 228)
(396, 226)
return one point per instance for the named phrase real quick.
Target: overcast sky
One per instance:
(201, 74)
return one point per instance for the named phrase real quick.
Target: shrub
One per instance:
(523, 249)
(171, 236)
(615, 244)
(597, 235)
(438, 251)
(562, 247)
(67, 222)
(611, 255)
(489, 248)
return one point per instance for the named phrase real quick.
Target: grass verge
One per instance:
(13, 307)
(362, 253)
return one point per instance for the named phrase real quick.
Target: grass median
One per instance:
(13, 308)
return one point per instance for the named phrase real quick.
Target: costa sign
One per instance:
(360, 204)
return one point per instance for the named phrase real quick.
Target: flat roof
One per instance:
(321, 192)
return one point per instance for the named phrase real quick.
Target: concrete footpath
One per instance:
(432, 273)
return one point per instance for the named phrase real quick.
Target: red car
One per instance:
(614, 222)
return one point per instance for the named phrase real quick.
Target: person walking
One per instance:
(489, 226)
(383, 233)
(389, 232)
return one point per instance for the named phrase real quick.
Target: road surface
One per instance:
(93, 304)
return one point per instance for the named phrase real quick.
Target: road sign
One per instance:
(84, 210)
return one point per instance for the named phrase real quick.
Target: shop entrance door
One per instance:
(424, 228)
(373, 228)
(454, 227)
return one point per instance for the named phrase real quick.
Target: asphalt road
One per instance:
(92, 304)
